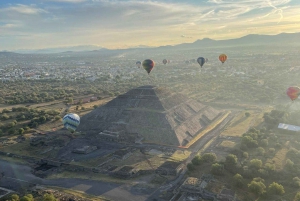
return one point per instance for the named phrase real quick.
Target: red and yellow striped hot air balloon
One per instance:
(223, 58)
(293, 92)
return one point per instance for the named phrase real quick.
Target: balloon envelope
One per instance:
(293, 92)
(148, 65)
(138, 64)
(165, 61)
(201, 61)
(223, 58)
(71, 121)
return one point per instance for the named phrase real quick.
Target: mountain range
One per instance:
(283, 39)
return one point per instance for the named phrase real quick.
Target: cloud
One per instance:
(23, 9)
(67, 1)
(113, 22)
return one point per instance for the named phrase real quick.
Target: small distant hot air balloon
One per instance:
(148, 65)
(201, 61)
(165, 61)
(169, 61)
(223, 58)
(138, 64)
(293, 92)
(71, 122)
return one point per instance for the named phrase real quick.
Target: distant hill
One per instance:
(283, 39)
(80, 48)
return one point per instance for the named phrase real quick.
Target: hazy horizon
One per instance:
(40, 24)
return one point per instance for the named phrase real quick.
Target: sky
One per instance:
(38, 24)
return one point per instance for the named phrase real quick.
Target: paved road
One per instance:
(17, 176)
(195, 148)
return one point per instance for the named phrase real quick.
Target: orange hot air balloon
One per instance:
(223, 58)
(293, 92)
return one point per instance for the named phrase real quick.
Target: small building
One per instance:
(109, 136)
(170, 168)
(84, 150)
(125, 172)
(226, 195)
(123, 153)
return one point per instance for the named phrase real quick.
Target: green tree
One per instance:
(217, 169)
(49, 197)
(238, 180)
(209, 157)
(14, 197)
(255, 164)
(27, 197)
(296, 182)
(264, 143)
(245, 154)
(272, 150)
(289, 165)
(4, 117)
(21, 131)
(231, 161)
(95, 106)
(190, 167)
(247, 114)
(77, 107)
(258, 188)
(297, 197)
(276, 189)
(260, 151)
(196, 160)
(270, 167)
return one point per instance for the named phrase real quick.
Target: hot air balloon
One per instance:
(165, 61)
(148, 65)
(71, 122)
(223, 58)
(201, 61)
(206, 60)
(138, 64)
(169, 61)
(293, 92)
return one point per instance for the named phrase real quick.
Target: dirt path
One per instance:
(17, 176)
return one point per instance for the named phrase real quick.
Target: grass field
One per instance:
(279, 159)
(227, 144)
(81, 195)
(240, 124)
(89, 176)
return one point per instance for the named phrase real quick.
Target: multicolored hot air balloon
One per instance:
(165, 61)
(201, 61)
(293, 92)
(138, 64)
(148, 65)
(71, 122)
(223, 58)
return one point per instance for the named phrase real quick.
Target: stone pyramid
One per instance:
(157, 114)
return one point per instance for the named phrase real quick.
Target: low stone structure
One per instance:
(169, 168)
(122, 153)
(84, 150)
(125, 172)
